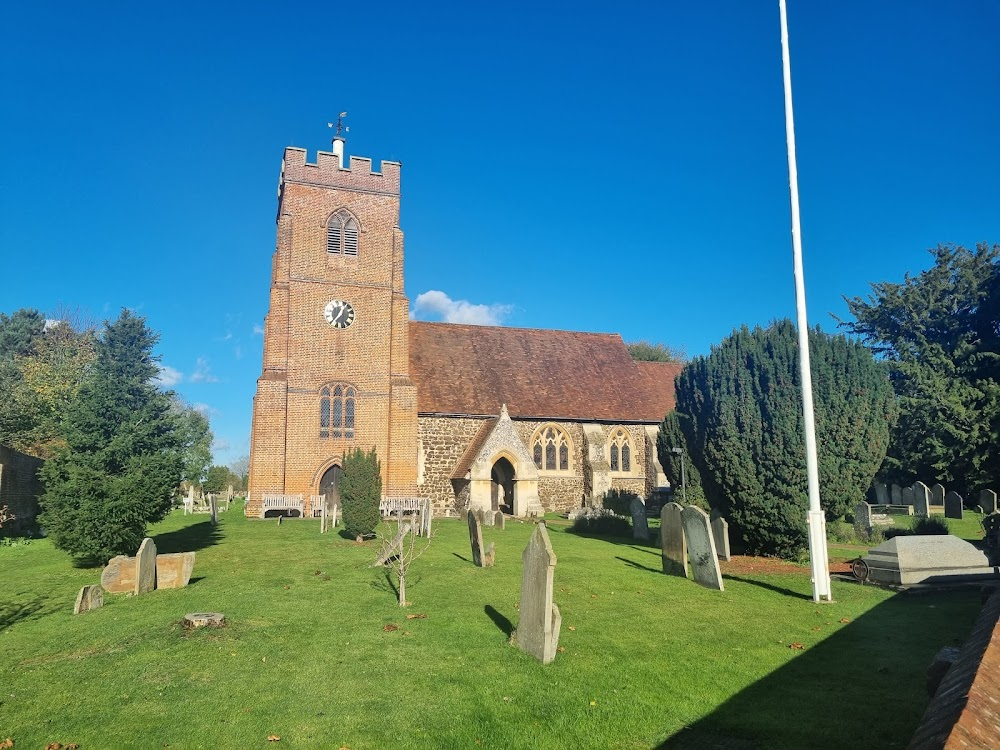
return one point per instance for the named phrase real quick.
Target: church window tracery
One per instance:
(342, 234)
(550, 448)
(621, 451)
(336, 411)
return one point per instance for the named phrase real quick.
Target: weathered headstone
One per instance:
(482, 557)
(229, 494)
(394, 547)
(906, 496)
(937, 494)
(921, 499)
(881, 494)
(988, 499)
(500, 520)
(426, 518)
(119, 575)
(89, 597)
(214, 506)
(322, 518)
(953, 505)
(720, 533)
(673, 546)
(332, 511)
(640, 526)
(895, 495)
(486, 517)
(539, 619)
(145, 567)
(863, 516)
(173, 571)
(701, 548)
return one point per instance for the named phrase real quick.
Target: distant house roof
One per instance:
(541, 374)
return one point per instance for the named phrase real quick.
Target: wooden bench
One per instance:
(399, 506)
(282, 505)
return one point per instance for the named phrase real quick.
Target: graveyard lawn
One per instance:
(317, 651)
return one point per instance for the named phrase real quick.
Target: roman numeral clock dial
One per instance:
(338, 313)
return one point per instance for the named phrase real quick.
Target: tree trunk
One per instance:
(402, 589)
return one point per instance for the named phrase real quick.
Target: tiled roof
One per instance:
(472, 370)
(465, 462)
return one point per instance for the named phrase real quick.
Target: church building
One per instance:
(513, 419)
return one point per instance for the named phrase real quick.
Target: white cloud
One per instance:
(438, 304)
(206, 409)
(258, 330)
(168, 376)
(202, 373)
(221, 445)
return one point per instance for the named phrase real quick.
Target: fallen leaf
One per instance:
(72, 746)
(506, 699)
(593, 703)
(287, 587)
(416, 617)
(572, 627)
(273, 738)
(318, 573)
(390, 627)
(593, 596)
(232, 653)
(816, 627)
(844, 620)
(54, 746)
(796, 646)
(7, 744)
(561, 649)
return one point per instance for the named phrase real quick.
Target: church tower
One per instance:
(335, 373)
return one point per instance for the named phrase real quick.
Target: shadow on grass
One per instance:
(461, 558)
(769, 587)
(13, 612)
(861, 687)
(499, 620)
(188, 539)
(639, 566)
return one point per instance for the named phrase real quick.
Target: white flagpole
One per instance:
(819, 560)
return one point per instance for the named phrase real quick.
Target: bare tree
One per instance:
(241, 468)
(398, 551)
(5, 516)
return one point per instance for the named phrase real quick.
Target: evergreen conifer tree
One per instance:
(122, 459)
(361, 492)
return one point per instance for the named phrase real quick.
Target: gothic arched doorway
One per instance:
(329, 485)
(502, 486)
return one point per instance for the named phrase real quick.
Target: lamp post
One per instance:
(680, 452)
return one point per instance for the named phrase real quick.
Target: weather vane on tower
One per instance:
(340, 126)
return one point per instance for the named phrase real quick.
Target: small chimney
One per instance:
(338, 149)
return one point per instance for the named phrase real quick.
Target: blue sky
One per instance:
(577, 166)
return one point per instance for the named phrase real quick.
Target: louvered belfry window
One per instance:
(342, 234)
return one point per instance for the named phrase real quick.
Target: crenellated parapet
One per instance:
(328, 172)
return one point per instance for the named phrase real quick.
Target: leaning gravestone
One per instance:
(895, 495)
(988, 499)
(937, 494)
(481, 556)
(640, 526)
(701, 547)
(145, 567)
(863, 516)
(119, 575)
(881, 494)
(720, 533)
(89, 597)
(214, 505)
(174, 571)
(539, 622)
(953, 505)
(500, 520)
(921, 499)
(673, 546)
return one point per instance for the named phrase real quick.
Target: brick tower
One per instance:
(335, 373)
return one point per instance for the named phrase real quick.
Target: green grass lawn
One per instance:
(649, 661)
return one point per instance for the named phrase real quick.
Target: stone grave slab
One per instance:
(673, 546)
(173, 571)
(482, 556)
(88, 598)
(954, 505)
(214, 508)
(720, 533)
(934, 559)
(145, 567)
(640, 526)
(988, 501)
(500, 520)
(863, 516)
(937, 494)
(539, 619)
(118, 577)
(701, 548)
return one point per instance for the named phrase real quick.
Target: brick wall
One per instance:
(20, 487)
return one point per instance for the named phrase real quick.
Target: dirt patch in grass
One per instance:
(744, 564)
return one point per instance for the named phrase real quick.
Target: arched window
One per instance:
(621, 451)
(336, 411)
(550, 448)
(342, 234)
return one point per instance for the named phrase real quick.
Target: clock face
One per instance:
(338, 313)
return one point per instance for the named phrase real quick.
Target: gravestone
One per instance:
(640, 527)
(145, 567)
(539, 619)
(906, 496)
(332, 511)
(119, 575)
(673, 546)
(895, 495)
(937, 494)
(481, 556)
(427, 518)
(921, 499)
(701, 548)
(863, 516)
(322, 518)
(214, 506)
(942, 559)
(988, 499)
(500, 520)
(481, 515)
(173, 571)
(953, 505)
(229, 494)
(89, 597)
(720, 533)
(395, 546)
(881, 494)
